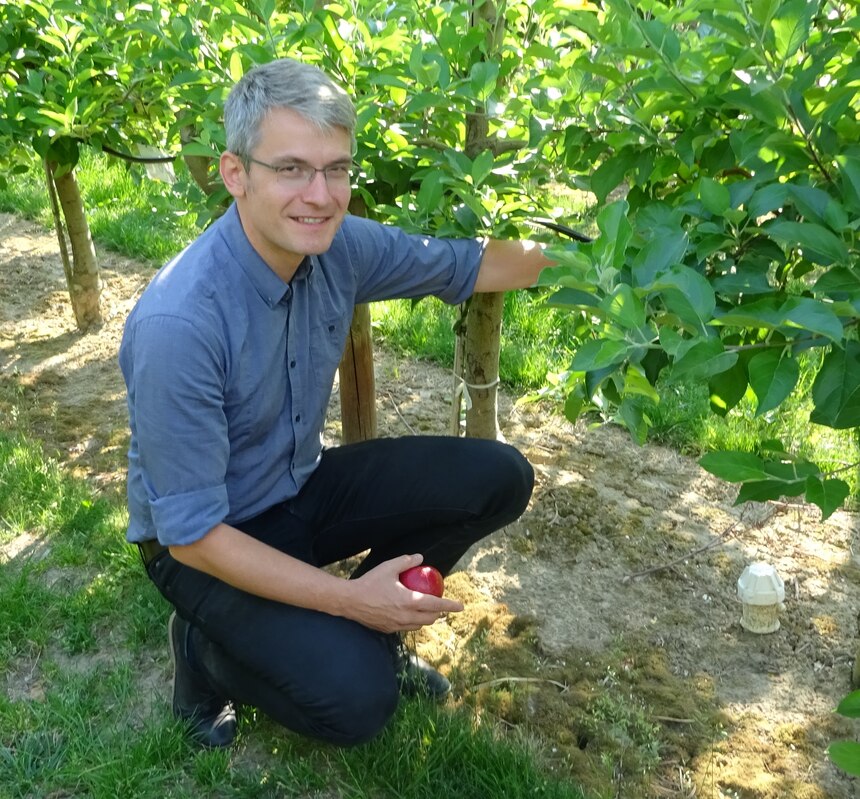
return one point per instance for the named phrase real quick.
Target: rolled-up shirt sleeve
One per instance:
(175, 375)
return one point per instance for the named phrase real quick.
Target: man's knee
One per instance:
(513, 477)
(356, 712)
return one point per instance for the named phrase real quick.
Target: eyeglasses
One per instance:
(298, 173)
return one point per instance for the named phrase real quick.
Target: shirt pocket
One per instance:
(325, 349)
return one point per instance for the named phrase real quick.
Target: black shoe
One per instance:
(211, 719)
(418, 678)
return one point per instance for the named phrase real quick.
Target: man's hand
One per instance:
(380, 601)
(377, 599)
(508, 265)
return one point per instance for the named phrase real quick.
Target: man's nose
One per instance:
(317, 190)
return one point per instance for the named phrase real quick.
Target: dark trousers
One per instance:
(321, 675)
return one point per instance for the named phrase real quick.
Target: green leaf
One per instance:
(714, 196)
(198, 148)
(482, 78)
(421, 102)
(616, 232)
(817, 205)
(678, 305)
(764, 490)
(701, 361)
(637, 384)
(791, 27)
(596, 380)
(792, 472)
(382, 79)
(236, 70)
(572, 406)
(630, 412)
(838, 282)
(849, 170)
(574, 269)
(773, 376)
(850, 706)
(673, 343)
(747, 279)
(599, 353)
(482, 166)
(662, 38)
(766, 199)
(734, 467)
(836, 390)
(728, 388)
(846, 755)
(609, 175)
(573, 298)
(696, 290)
(431, 192)
(802, 313)
(664, 249)
(814, 315)
(624, 307)
(818, 244)
(829, 496)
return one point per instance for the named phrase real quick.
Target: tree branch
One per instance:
(140, 159)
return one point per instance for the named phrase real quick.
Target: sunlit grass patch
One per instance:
(126, 211)
(535, 339)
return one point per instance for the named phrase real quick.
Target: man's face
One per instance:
(286, 219)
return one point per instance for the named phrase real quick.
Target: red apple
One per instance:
(425, 579)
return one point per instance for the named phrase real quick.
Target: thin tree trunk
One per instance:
(84, 281)
(57, 215)
(459, 357)
(483, 323)
(357, 380)
(483, 336)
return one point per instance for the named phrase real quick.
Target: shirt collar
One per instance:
(267, 284)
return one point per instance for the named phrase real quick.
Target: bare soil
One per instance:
(604, 624)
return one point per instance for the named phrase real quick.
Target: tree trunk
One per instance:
(357, 382)
(198, 165)
(483, 323)
(481, 372)
(83, 278)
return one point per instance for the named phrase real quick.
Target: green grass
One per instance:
(83, 642)
(127, 212)
(536, 339)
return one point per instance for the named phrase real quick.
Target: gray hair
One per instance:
(284, 83)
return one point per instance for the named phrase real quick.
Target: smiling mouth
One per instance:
(311, 220)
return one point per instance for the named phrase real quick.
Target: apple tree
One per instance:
(70, 77)
(721, 139)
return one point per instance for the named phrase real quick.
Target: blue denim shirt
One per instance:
(229, 369)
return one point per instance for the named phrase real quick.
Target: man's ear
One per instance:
(233, 173)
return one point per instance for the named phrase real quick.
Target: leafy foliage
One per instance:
(731, 130)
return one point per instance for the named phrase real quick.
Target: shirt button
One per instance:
(292, 364)
(298, 417)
